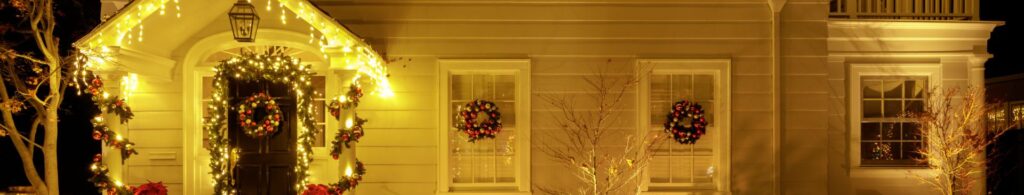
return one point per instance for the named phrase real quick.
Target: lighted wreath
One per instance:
(347, 182)
(686, 122)
(346, 136)
(247, 110)
(476, 130)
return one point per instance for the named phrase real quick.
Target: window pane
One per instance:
(462, 87)
(910, 150)
(890, 131)
(877, 151)
(915, 88)
(872, 89)
(915, 106)
(893, 88)
(505, 86)
(483, 87)
(704, 87)
(910, 131)
(508, 114)
(870, 131)
(872, 108)
(682, 87)
(892, 108)
(660, 89)
(207, 87)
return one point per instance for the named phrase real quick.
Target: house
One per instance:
(800, 95)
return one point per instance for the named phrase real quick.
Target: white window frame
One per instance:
(521, 68)
(720, 68)
(933, 71)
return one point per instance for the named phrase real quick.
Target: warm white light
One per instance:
(129, 83)
(349, 123)
(348, 171)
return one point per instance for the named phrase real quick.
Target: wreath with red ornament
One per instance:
(267, 125)
(686, 122)
(469, 115)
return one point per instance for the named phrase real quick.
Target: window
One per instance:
(685, 167)
(888, 137)
(487, 165)
(882, 138)
(1011, 116)
(319, 86)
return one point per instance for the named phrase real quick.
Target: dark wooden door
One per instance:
(266, 165)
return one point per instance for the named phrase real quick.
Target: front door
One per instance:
(266, 165)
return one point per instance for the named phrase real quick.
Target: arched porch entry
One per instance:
(273, 153)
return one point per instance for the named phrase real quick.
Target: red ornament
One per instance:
(97, 135)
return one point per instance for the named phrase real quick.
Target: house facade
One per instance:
(801, 96)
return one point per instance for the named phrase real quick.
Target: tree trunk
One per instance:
(50, 151)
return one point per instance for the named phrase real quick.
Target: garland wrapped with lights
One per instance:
(351, 133)
(271, 119)
(275, 66)
(347, 182)
(682, 112)
(85, 80)
(468, 117)
(349, 101)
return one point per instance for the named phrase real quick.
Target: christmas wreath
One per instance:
(483, 129)
(346, 136)
(686, 122)
(259, 127)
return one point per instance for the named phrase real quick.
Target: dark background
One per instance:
(76, 18)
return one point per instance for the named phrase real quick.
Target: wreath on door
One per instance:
(266, 125)
(476, 130)
(686, 122)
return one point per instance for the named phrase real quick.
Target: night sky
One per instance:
(1006, 43)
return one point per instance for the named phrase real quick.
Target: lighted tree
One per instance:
(581, 144)
(955, 134)
(33, 84)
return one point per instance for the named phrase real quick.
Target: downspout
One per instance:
(776, 76)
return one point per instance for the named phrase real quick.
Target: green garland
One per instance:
(347, 135)
(275, 66)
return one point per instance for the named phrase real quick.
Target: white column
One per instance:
(976, 78)
(347, 159)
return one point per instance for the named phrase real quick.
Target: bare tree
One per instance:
(955, 134)
(581, 145)
(38, 82)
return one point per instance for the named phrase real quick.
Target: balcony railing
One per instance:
(905, 9)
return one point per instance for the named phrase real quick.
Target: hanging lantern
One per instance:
(244, 21)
